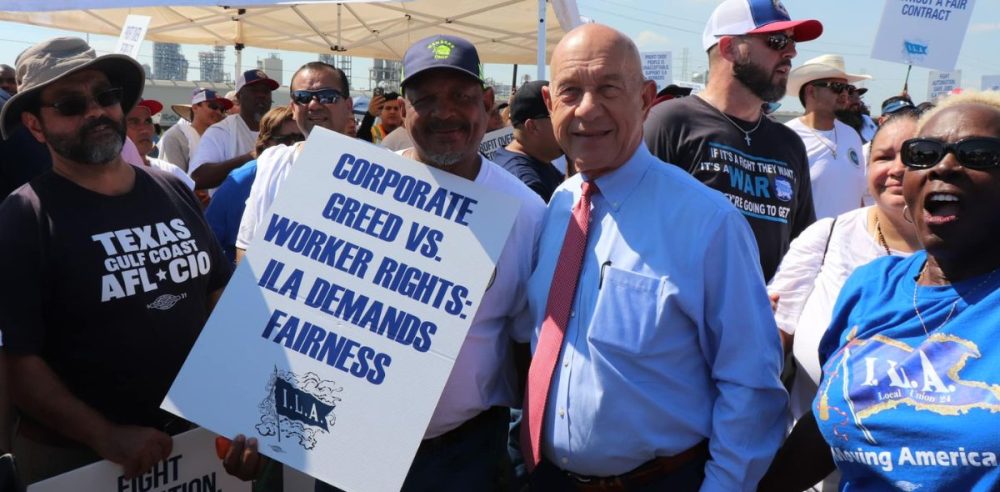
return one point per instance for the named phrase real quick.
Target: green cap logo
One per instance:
(441, 49)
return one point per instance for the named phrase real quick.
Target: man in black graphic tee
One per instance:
(110, 272)
(722, 135)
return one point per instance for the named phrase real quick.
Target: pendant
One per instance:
(746, 136)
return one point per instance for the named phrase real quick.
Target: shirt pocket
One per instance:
(626, 313)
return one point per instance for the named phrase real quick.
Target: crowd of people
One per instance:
(705, 298)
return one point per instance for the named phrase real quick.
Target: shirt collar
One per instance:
(617, 185)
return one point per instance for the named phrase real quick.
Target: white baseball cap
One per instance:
(739, 17)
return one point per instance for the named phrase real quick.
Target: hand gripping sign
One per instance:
(336, 335)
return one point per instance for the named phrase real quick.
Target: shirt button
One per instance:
(564, 460)
(572, 314)
(566, 363)
(562, 413)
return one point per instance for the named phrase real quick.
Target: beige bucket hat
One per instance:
(51, 60)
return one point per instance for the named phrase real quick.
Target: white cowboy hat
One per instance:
(821, 67)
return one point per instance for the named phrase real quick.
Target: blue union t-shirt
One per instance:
(902, 410)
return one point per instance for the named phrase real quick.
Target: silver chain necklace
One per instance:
(833, 149)
(746, 133)
(954, 305)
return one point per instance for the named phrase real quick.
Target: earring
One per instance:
(908, 219)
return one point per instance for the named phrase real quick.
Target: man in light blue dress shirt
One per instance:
(671, 343)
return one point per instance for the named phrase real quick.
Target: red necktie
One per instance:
(561, 294)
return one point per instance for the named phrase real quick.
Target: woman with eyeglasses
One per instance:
(910, 396)
(226, 208)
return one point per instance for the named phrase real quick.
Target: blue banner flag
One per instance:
(296, 404)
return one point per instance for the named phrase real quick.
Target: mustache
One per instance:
(103, 120)
(449, 125)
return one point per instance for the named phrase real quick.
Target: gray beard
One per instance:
(446, 159)
(88, 151)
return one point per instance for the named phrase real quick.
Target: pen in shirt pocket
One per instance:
(600, 281)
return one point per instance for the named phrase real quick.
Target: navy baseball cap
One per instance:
(255, 76)
(441, 51)
(740, 17)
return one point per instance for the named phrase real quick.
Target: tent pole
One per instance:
(541, 40)
(239, 60)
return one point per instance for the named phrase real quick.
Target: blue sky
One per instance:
(849, 29)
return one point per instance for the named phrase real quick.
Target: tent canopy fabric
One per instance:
(504, 31)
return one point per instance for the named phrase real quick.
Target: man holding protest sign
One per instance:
(445, 110)
(111, 269)
(656, 356)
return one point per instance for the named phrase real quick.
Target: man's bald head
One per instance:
(598, 98)
(591, 41)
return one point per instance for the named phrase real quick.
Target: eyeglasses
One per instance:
(973, 152)
(213, 106)
(288, 139)
(324, 96)
(77, 105)
(779, 41)
(837, 87)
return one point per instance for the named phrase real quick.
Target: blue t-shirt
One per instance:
(226, 208)
(904, 410)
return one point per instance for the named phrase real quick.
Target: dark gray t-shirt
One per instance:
(111, 291)
(768, 180)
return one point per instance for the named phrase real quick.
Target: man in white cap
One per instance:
(112, 272)
(229, 143)
(836, 161)
(722, 136)
(180, 142)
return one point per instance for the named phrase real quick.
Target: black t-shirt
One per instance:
(542, 177)
(111, 291)
(768, 181)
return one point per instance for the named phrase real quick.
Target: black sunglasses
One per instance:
(973, 152)
(837, 87)
(288, 139)
(213, 106)
(77, 105)
(324, 96)
(779, 41)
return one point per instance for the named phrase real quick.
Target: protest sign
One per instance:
(496, 139)
(336, 335)
(991, 83)
(192, 466)
(942, 83)
(656, 66)
(925, 33)
(133, 32)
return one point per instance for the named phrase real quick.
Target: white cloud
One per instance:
(650, 41)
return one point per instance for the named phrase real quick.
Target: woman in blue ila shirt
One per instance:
(910, 396)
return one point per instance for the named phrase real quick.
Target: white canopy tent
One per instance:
(504, 31)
